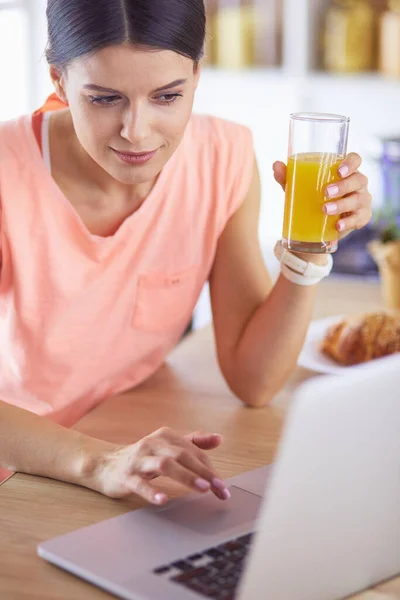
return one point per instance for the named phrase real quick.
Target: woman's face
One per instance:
(130, 108)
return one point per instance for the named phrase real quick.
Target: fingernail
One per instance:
(341, 226)
(330, 208)
(219, 484)
(344, 171)
(332, 190)
(202, 484)
(160, 498)
(226, 494)
(218, 435)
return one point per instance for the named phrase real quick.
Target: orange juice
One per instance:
(308, 175)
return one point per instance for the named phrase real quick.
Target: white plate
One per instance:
(311, 356)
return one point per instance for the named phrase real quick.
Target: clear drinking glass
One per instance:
(317, 146)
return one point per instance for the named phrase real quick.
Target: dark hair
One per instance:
(79, 27)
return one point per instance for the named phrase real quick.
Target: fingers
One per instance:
(188, 442)
(354, 210)
(178, 465)
(170, 466)
(197, 442)
(142, 488)
(351, 163)
(354, 202)
(279, 169)
(205, 441)
(351, 184)
(351, 198)
(196, 467)
(205, 459)
(354, 221)
(174, 449)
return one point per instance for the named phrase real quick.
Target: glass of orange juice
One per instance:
(317, 147)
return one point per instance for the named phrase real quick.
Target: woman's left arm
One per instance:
(260, 329)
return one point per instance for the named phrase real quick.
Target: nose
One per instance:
(136, 126)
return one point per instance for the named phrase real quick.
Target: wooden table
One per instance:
(187, 393)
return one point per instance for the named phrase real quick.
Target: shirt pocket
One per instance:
(165, 303)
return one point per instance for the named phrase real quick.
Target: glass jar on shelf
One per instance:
(209, 45)
(268, 32)
(233, 28)
(389, 40)
(349, 36)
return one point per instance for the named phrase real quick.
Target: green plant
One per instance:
(387, 225)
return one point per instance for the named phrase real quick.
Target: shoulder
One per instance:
(13, 135)
(220, 155)
(11, 128)
(218, 149)
(206, 131)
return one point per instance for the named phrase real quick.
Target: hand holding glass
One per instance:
(317, 147)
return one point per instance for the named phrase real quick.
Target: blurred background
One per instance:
(263, 60)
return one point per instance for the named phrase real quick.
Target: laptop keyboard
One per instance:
(214, 573)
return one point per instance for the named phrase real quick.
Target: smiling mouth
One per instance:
(135, 157)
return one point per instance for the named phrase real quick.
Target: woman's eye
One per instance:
(104, 100)
(168, 98)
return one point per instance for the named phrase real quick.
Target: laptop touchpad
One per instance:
(209, 516)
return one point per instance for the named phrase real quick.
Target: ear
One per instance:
(197, 73)
(58, 79)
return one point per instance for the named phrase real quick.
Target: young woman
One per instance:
(116, 209)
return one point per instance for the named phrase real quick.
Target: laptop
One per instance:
(320, 524)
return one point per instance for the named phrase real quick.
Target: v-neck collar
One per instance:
(146, 208)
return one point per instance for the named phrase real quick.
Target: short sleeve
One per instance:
(242, 166)
(233, 167)
(2, 162)
(1, 233)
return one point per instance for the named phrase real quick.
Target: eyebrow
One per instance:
(168, 86)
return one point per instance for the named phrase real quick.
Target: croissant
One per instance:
(361, 339)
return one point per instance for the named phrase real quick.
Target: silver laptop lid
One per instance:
(330, 525)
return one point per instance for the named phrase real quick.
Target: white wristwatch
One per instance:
(308, 273)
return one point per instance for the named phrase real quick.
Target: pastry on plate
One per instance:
(361, 339)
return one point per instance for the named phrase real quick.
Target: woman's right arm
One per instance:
(34, 445)
(37, 446)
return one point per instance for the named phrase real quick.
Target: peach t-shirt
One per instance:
(84, 317)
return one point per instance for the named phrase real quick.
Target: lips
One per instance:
(135, 158)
